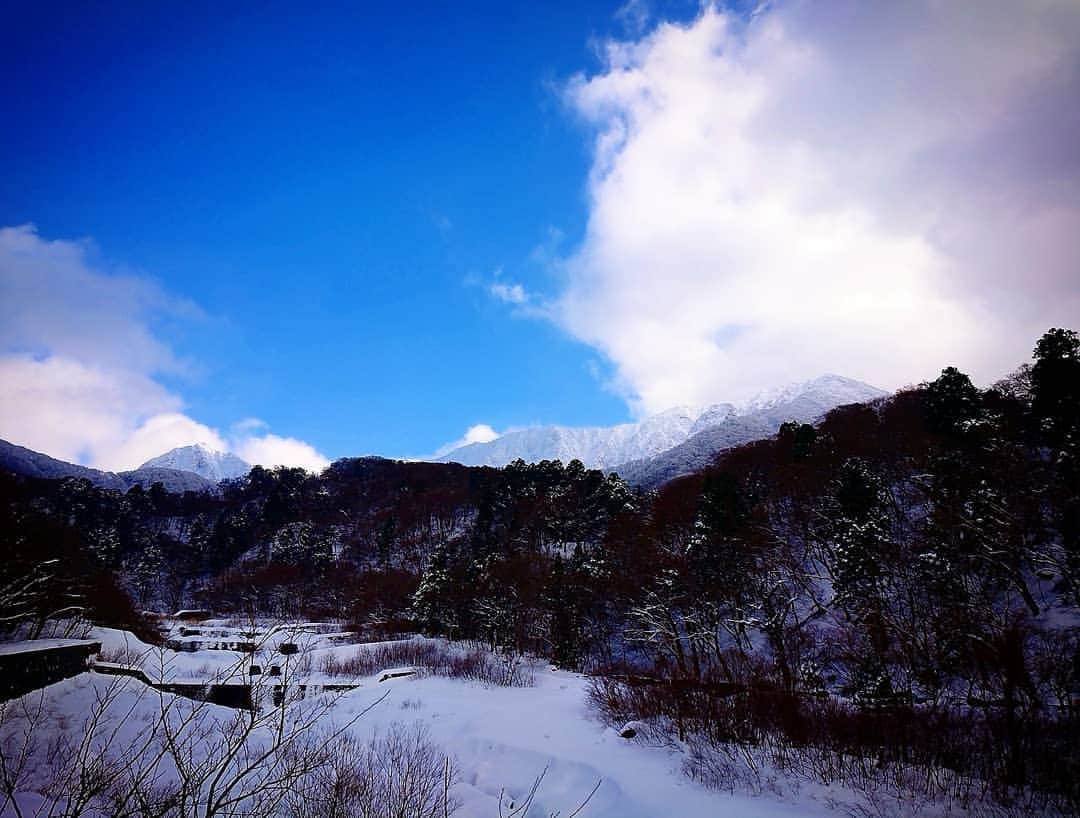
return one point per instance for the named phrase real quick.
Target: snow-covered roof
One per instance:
(34, 645)
(396, 673)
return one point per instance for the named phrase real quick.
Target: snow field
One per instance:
(501, 739)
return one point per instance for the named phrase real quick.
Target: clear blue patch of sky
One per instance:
(324, 180)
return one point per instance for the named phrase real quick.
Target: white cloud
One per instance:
(478, 433)
(78, 358)
(509, 292)
(873, 189)
(271, 450)
(248, 425)
(52, 299)
(159, 434)
(75, 411)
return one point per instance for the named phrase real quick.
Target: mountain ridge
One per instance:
(612, 447)
(29, 463)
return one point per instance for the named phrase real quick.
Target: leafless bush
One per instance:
(369, 660)
(435, 659)
(396, 774)
(734, 768)
(81, 774)
(139, 751)
(897, 758)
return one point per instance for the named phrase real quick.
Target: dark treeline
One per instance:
(898, 583)
(353, 543)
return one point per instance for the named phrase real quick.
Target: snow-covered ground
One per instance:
(501, 738)
(504, 737)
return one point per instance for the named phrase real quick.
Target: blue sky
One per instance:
(332, 188)
(309, 233)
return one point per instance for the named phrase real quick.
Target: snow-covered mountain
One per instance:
(595, 446)
(202, 460)
(27, 462)
(609, 447)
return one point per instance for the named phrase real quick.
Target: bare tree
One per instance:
(143, 751)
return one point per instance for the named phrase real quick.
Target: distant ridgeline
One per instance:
(20, 460)
(679, 441)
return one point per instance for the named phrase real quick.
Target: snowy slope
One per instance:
(500, 740)
(203, 461)
(503, 738)
(595, 446)
(757, 419)
(608, 447)
(28, 463)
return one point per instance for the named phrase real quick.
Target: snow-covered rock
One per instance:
(610, 447)
(201, 460)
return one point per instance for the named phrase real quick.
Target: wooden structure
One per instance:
(37, 663)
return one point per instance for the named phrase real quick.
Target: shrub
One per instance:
(903, 754)
(436, 659)
(400, 772)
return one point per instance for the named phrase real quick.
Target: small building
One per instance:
(191, 615)
(36, 663)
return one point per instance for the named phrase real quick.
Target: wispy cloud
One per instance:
(508, 292)
(501, 289)
(634, 16)
(442, 222)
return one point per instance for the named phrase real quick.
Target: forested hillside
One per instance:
(918, 557)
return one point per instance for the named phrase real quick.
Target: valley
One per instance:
(878, 610)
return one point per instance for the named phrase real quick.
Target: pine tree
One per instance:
(1055, 382)
(952, 403)
(858, 535)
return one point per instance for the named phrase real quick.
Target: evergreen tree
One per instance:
(858, 533)
(1055, 382)
(952, 403)
(562, 605)
(433, 604)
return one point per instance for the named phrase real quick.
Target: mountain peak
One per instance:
(202, 460)
(831, 389)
